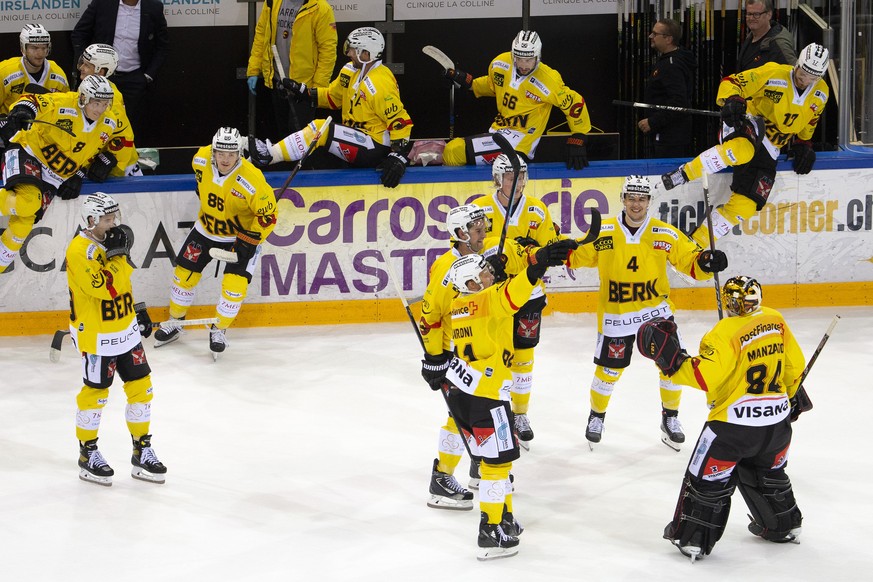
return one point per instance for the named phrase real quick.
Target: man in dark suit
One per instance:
(138, 31)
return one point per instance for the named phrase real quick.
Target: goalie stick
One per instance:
(804, 403)
(230, 256)
(58, 338)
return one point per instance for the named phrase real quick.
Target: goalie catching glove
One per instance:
(658, 340)
(433, 369)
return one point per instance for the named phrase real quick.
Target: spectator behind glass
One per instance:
(767, 42)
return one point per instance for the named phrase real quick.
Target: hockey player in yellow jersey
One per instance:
(763, 110)
(52, 157)
(479, 378)
(375, 126)
(529, 224)
(32, 67)
(631, 256)
(749, 367)
(525, 90)
(102, 59)
(107, 326)
(237, 214)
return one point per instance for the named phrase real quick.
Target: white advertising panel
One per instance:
(455, 9)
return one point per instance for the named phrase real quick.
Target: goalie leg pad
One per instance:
(769, 496)
(701, 515)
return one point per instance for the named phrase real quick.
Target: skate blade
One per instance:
(88, 477)
(473, 484)
(159, 343)
(666, 440)
(486, 554)
(693, 553)
(143, 475)
(440, 502)
(591, 446)
(524, 444)
(215, 356)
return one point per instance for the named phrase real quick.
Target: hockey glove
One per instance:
(101, 165)
(71, 187)
(245, 246)
(733, 112)
(393, 167)
(553, 254)
(498, 267)
(117, 242)
(577, 154)
(19, 118)
(800, 403)
(712, 261)
(143, 319)
(259, 152)
(658, 340)
(296, 91)
(527, 241)
(433, 369)
(460, 78)
(803, 156)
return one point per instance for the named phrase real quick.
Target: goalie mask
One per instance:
(470, 268)
(502, 165)
(101, 56)
(34, 34)
(461, 218)
(363, 39)
(97, 205)
(95, 87)
(741, 295)
(526, 51)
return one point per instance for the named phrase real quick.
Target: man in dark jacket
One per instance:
(767, 42)
(138, 31)
(671, 83)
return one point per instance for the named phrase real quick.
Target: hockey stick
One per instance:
(56, 126)
(230, 256)
(58, 338)
(510, 153)
(281, 70)
(593, 229)
(447, 63)
(804, 404)
(667, 108)
(711, 242)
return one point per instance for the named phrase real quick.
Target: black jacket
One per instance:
(777, 46)
(671, 83)
(97, 24)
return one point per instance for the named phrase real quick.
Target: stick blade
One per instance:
(593, 229)
(57, 343)
(439, 56)
(223, 255)
(507, 149)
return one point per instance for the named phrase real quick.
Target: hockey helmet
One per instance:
(97, 205)
(502, 165)
(95, 87)
(638, 185)
(527, 45)
(468, 268)
(741, 295)
(367, 39)
(34, 34)
(461, 218)
(101, 56)
(228, 139)
(813, 60)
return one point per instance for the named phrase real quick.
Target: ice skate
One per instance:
(92, 466)
(493, 541)
(759, 530)
(259, 152)
(675, 178)
(146, 466)
(475, 477)
(524, 431)
(169, 332)
(594, 430)
(447, 493)
(510, 525)
(217, 341)
(671, 429)
(694, 553)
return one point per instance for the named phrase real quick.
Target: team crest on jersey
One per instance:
(104, 137)
(604, 244)
(193, 252)
(616, 349)
(529, 326)
(31, 168)
(498, 79)
(138, 355)
(774, 96)
(660, 245)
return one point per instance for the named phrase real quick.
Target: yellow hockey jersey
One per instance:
(102, 319)
(239, 200)
(771, 94)
(14, 77)
(370, 102)
(59, 151)
(121, 145)
(749, 367)
(634, 287)
(482, 329)
(525, 103)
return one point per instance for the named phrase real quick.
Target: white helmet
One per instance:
(502, 165)
(461, 218)
(468, 268)
(96, 205)
(228, 139)
(741, 295)
(95, 87)
(34, 34)
(367, 39)
(102, 56)
(527, 44)
(813, 60)
(636, 185)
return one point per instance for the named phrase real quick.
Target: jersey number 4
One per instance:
(757, 376)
